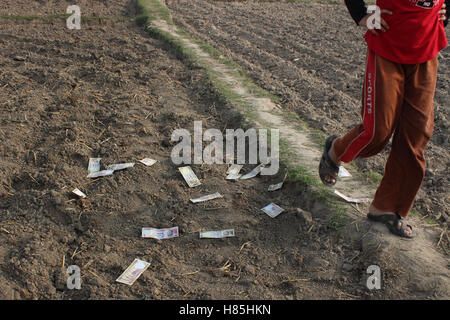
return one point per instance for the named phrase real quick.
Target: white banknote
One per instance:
(120, 166)
(134, 271)
(217, 234)
(79, 193)
(343, 173)
(100, 173)
(349, 199)
(189, 176)
(274, 187)
(252, 173)
(94, 165)
(272, 210)
(234, 169)
(165, 233)
(233, 177)
(148, 161)
(208, 197)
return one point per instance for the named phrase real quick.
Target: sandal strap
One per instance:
(326, 158)
(399, 226)
(327, 165)
(395, 223)
(384, 218)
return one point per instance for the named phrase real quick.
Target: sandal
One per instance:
(398, 227)
(327, 166)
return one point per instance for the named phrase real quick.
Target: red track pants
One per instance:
(397, 99)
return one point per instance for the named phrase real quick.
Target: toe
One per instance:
(330, 179)
(408, 230)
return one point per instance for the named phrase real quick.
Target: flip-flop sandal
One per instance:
(398, 227)
(381, 217)
(327, 166)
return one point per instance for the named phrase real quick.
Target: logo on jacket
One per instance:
(426, 4)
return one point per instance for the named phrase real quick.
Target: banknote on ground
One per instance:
(343, 173)
(100, 173)
(234, 169)
(148, 161)
(233, 177)
(233, 172)
(94, 165)
(274, 187)
(189, 176)
(349, 199)
(133, 272)
(165, 233)
(252, 173)
(120, 166)
(217, 234)
(79, 193)
(207, 197)
(272, 210)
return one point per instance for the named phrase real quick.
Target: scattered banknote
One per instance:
(79, 193)
(252, 173)
(148, 162)
(272, 210)
(343, 173)
(120, 166)
(348, 199)
(233, 172)
(233, 177)
(234, 169)
(274, 187)
(217, 234)
(133, 272)
(208, 197)
(94, 165)
(189, 176)
(159, 234)
(100, 173)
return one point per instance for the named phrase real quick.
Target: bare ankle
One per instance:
(374, 210)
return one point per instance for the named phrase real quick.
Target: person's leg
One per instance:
(372, 135)
(405, 167)
(381, 104)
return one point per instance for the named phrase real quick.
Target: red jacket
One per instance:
(415, 34)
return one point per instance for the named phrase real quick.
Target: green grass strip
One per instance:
(151, 10)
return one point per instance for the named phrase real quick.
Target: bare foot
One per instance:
(376, 212)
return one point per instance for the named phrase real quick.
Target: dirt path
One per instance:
(316, 67)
